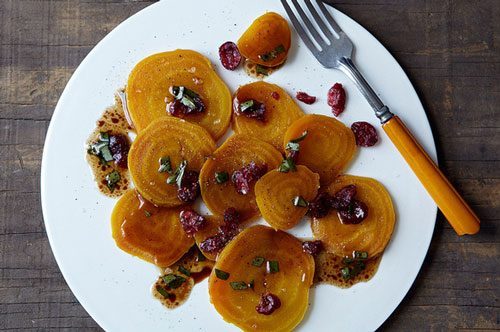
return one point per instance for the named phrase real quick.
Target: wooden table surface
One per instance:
(449, 48)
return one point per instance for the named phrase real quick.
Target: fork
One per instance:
(336, 52)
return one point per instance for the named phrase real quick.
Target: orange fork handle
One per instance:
(455, 209)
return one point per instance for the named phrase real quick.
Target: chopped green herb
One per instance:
(238, 285)
(273, 54)
(147, 213)
(176, 178)
(247, 105)
(299, 201)
(185, 96)
(287, 165)
(163, 292)
(101, 148)
(173, 281)
(301, 138)
(361, 255)
(221, 177)
(251, 284)
(346, 272)
(272, 266)
(347, 260)
(261, 70)
(165, 165)
(223, 275)
(184, 271)
(258, 261)
(201, 257)
(112, 179)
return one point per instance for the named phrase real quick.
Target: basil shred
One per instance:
(261, 70)
(299, 201)
(184, 271)
(223, 275)
(221, 177)
(241, 285)
(258, 261)
(294, 145)
(272, 267)
(273, 54)
(176, 178)
(101, 148)
(112, 179)
(165, 165)
(287, 165)
(173, 281)
(354, 265)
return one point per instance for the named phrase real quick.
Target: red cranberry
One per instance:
(119, 146)
(216, 243)
(191, 221)
(231, 216)
(305, 98)
(320, 206)
(343, 197)
(366, 135)
(336, 98)
(312, 248)
(229, 55)
(268, 304)
(355, 213)
(246, 175)
(190, 187)
(178, 109)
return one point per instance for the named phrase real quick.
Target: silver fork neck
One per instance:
(381, 111)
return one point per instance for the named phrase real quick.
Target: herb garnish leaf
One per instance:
(261, 70)
(299, 201)
(173, 281)
(287, 165)
(165, 165)
(272, 266)
(112, 179)
(258, 261)
(247, 105)
(273, 54)
(163, 292)
(221, 177)
(176, 178)
(184, 271)
(293, 145)
(238, 285)
(223, 275)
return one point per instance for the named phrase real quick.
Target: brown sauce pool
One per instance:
(113, 120)
(328, 270)
(258, 71)
(199, 268)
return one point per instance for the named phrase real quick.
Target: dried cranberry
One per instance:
(231, 216)
(275, 95)
(179, 110)
(343, 197)
(305, 98)
(119, 146)
(268, 304)
(336, 98)
(229, 55)
(216, 243)
(252, 109)
(355, 213)
(191, 221)
(189, 188)
(366, 135)
(246, 175)
(320, 206)
(313, 248)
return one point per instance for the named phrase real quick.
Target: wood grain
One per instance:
(449, 49)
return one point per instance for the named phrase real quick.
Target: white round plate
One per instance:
(113, 286)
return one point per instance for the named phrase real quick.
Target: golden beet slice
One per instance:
(276, 191)
(290, 282)
(238, 151)
(166, 137)
(211, 229)
(280, 112)
(328, 147)
(372, 234)
(151, 233)
(267, 40)
(151, 79)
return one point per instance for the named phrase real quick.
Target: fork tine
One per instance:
(308, 24)
(319, 20)
(300, 30)
(329, 17)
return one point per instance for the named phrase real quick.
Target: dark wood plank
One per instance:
(450, 50)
